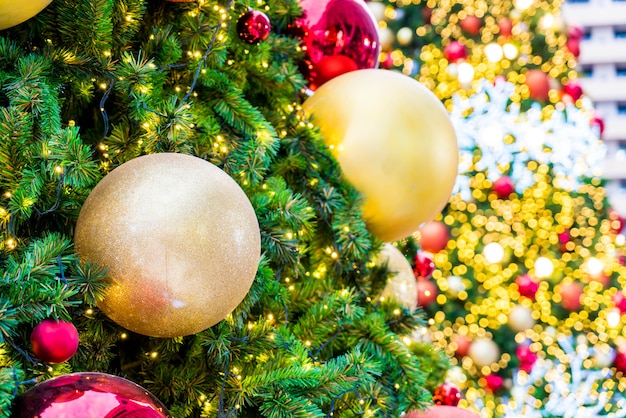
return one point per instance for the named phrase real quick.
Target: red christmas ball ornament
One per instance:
(455, 51)
(538, 84)
(598, 121)
(442, 411)
(506, 27)
(332, 28)
(572, 90)
(573, 46)
(503, 187)
(575, 32)
(88, 395)
(493, 382)
(434, 236)
(463, 344)
(564, 239)
(619, 362)
(54, 341)
(526, 286)
(427, 14)
(426, 293)
(570, 295)
(527, 358)
(620, 302)
(471, 25)
(423, 265)
(617, 222)
(253, 27)
(447, 394)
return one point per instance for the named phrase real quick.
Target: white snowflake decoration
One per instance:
(566, 141)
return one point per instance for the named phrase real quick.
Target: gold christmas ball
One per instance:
(402, 284)
(12, 13)
(521, 318)
(484, 352)
(395, 143)
(180, 241)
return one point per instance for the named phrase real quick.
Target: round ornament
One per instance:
(527, 358)
(88, 395)
(180, 241)
(455, 51)
(484, 352)
(404, 36)
(424, 265)
(447, 394)
(471, 25)
(572, 91)
(331, 28)
(493, 382)
(573, 46)
(253, 27)
(426, 293)
(463, 343)
(526, 286)
(504, 187)
(54, 341)
(598, 121)
(538, 84)
(570, 295)
(434, 236)
(521, 318)
(505, 26)
(619, 360)
(442, 411)
(12, 13)
(402, 284)
(395, 143)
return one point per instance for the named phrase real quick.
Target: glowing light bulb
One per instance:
(594, 267)
(493, 52)
(523, 4)
(510, 51)
(465, 73)
(543, 267)
(547, 21)
(613, 318)
(493, 252)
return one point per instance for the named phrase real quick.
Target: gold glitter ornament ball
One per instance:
(180, 241)
(13, 13)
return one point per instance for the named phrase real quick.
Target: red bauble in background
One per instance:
(573, 46)
(471, 25)
(598, 121)
(538, 84)
(564, 239)
(332, 28)
(493, 382)
(88, 395)
(572, 90)
(426, 293)
(526, 286)
(506, 27)
(423, 265)
(54, 341)
(570, 295)
(620, 301)
(575, 32)
(442, 411)
(455, 51)
(463, 343)
(527, 358)
(434, 236)
(503, 187)
(253, 27)
(617, 222)
(447, 394)
(619, 362)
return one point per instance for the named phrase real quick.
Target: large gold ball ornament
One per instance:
(402, 284)
(395, 143)
(13, 13)
(180, 241)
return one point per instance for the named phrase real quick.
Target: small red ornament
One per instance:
(442, 411)
(462, 344)
(332, 28)
(447, 394)
(434, 236)
(617, 222)
(527, 358)
(575, 32)
(598, 121)
(471, 25)
(573, 46)
(54, 341)
(564, 239)
(424, 265)
(572, 90)
(426, 293)
(503, 187)
(506, 27)
(493, 382)
(619, 362)
(455, 51)
(253, 27)
(620, 301)
(570, 295)
(427, 14)
(538, 84)
(88, 395)
(527, 286)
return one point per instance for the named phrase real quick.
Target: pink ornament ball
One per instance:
(503, 187)
(54, 341)
(455, 51)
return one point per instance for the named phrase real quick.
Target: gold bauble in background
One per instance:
(402, 284)
(13, 13)
(395, 143)
(179, 238)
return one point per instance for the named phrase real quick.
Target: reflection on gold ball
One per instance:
(13, 13)
(395, 143)
(179, 238)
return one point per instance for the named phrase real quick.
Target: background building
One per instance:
(603, 64)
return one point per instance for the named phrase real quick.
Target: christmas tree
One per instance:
(91, 86)
(522, 274)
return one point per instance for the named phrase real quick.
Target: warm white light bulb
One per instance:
(523, 4)
(465, 73)
(547, 21)
(613, 318)
(494, 52)
(510, 51)
(543, 267)
(594, 267)
(493, 252)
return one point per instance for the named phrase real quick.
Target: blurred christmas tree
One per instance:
(89, 85)
(528, 252)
